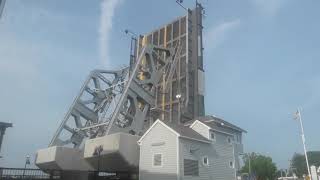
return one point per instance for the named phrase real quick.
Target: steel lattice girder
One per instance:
(116, 102)
(90, 106)
(140, 91)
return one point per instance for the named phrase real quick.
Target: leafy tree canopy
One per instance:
(299, 165)
(261, 166)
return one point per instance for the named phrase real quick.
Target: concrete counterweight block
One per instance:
(62, 158)
(119, 153)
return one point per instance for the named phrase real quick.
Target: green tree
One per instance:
(261, 166)
(299, 165)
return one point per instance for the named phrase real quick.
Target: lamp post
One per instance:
(178, 96)
(97, 152)
(133, 48)
(128, 31)
(25, 165)
(297, 116)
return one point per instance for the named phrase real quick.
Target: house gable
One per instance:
(158, 153)
(153, 125)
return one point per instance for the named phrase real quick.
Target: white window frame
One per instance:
(153, 160)
(214, 134)
(230, 164)
(205, 164)
(228, 137)
(237, 138)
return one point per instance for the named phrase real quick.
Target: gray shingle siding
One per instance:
(159, 140)
(175, 145)
(218, 153)
(201, 128)
(238, 147)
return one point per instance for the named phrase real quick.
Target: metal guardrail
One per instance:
(28, 174)
(38, 174)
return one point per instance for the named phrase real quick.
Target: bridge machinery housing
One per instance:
(115, 107)
(112, 105)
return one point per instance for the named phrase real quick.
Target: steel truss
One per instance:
(114, 101)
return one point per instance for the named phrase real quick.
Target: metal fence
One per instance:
(28, 174)
(38, 174)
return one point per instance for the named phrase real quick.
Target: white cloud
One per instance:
(216, 35)
(268, 7)
(107, 12)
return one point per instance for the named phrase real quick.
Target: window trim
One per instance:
(228, 137)
(237, 138)
(231, 165)
(205, 164)
(153, 156)
(215, 136)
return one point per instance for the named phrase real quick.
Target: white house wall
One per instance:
(159, 140)
(238, 150)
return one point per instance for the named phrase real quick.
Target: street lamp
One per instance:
(178, 96)
(97, 152)
(127, 31)
(25, 164)
(297, 116)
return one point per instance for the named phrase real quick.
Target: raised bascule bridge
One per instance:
(114, 108)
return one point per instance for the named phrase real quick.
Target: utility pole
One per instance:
(298, 116)
(27, 162)
(133, 48)
(178, 96)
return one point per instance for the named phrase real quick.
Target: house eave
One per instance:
(203, 141)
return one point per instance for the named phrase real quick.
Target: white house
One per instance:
(205, 149)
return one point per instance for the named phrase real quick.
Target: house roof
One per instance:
(180, 131)
(213, 121)
(186, 132)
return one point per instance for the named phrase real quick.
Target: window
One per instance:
(231, 164)
(238, 136)
(229, 140)
(205, 161)
(157, 160)
(191, 167)
(213, 136)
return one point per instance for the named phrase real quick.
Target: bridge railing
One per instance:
(22, 173)
(38, 174)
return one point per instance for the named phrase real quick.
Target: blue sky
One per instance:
(262, 61)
